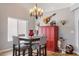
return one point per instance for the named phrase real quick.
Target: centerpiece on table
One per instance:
(31, 33)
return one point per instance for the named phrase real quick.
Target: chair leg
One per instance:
(37, 52)
(13, 52)
(40, 50)
(19, 50)
(28, 51)
(19, 53)
(13, 49)
(23, 52)
(45, 50)
(16, 52)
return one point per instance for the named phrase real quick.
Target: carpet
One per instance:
(9, 53)
(60, 54)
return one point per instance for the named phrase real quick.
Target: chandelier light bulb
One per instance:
(36, 12)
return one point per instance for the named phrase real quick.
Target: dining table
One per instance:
(30, 40)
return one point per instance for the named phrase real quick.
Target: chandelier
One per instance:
(36, 12)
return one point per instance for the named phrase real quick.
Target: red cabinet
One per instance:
(52, 36)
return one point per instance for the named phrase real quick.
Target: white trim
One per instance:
(76, 52)
(74, 7)
(5, 50)
(76, 31)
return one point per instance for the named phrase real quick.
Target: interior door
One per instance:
(76, 12)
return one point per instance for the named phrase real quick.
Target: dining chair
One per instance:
(18, 47)
(34, 40)
(35, 46)
(42, 46)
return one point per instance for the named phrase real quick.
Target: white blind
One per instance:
(16, 27)
(12, 28)
(23, 27)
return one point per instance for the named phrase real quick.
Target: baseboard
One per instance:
(76, 52)
(5, 50)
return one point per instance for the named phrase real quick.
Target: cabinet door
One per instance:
(48, 33)
(49, 46)
(52, 33)
(52, 38)
(56, 38)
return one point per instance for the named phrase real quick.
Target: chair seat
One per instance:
(22, 46)
(36, 46)
(43, 46)
(23, 42)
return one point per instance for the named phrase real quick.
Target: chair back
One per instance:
(36, 41)
(15, 40)
(43, 40)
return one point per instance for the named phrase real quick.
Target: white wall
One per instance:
(68, 30)
(14, 11)
(75, 9)
(9, 10)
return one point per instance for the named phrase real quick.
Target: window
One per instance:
(12, 28)
(23, 27)
(16, 27)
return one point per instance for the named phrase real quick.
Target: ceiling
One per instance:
(46, 6)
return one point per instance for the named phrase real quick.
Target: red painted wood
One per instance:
(52, 36)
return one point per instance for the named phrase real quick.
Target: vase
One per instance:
(31, 33)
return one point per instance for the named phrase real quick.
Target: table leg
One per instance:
(13, 49)
(30, 49)
(19, 50)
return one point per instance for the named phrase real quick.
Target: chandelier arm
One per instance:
(36, 12)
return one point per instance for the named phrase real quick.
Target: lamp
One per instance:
(36, 12)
